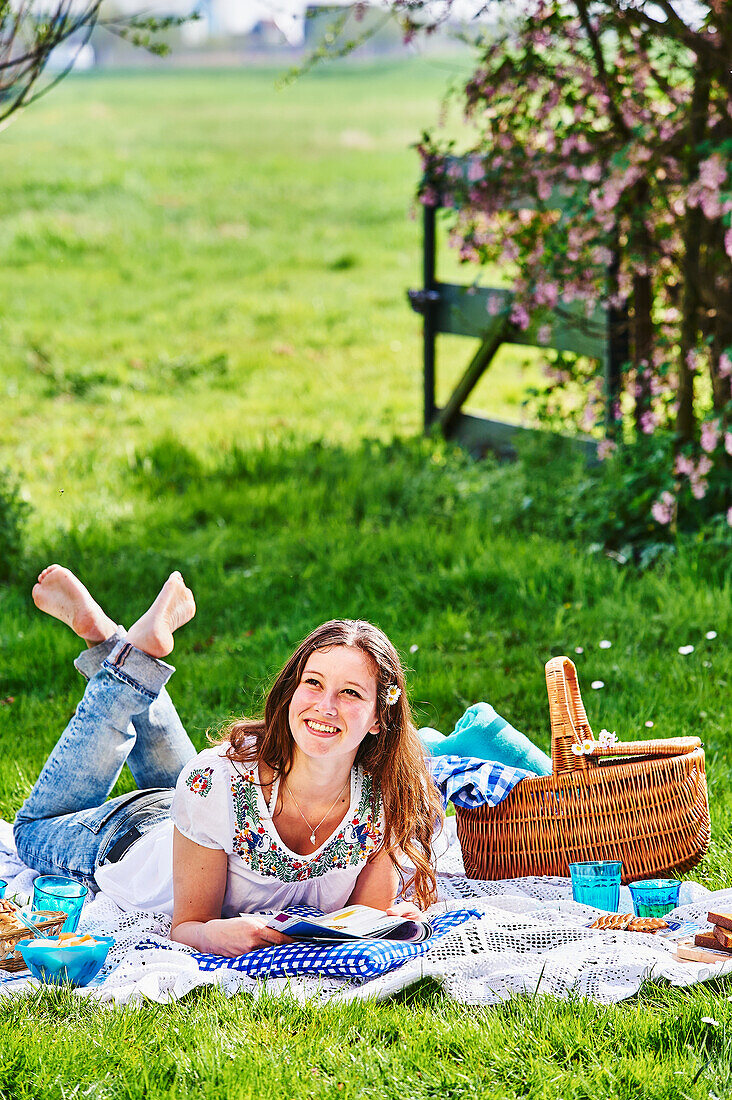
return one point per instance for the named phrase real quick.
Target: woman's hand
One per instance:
(239, 935)
(199, 885)
(405, 909)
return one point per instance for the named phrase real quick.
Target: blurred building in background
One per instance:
(238, 31)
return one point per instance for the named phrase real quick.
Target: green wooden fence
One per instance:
(463, 310)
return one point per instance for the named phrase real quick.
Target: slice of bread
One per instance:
(724, 920)
(724, 936)
(708, 939)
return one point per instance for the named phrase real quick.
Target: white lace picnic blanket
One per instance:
(529, 935)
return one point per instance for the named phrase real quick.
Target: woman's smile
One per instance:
(321, 729)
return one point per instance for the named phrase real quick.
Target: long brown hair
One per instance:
(394, 757)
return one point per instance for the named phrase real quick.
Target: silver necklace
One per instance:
(314, 829)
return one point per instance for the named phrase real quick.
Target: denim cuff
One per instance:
(132, 666)
(90, 660)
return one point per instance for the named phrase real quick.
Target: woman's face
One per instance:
(334, 705)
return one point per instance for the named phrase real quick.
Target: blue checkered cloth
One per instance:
(469, 782)
(360, 959)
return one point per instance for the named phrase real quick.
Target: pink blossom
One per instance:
(710, 204)
(648, 422)
(662, 509)
(729, 517)
(698, 488)
(520, 316)
(429, 197)
(728, 442)
(592, 173)
(510, 251)
(546, 294)
(601, 256)
(589, 419)
(544, 335)
(692, 357)
(543, 189)
(605, 448)
(712, 172)
(494, 305)
(725, 363)
(709, 435)
(683, 466)
(728, 242)
(475, 170)
(703, 466)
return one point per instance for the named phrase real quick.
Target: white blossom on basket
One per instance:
(392, 694)
(585, 748)
(606, 738)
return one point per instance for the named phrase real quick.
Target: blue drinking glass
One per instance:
(3, 887)
(597, 883)
(62, 895)
(654, 897)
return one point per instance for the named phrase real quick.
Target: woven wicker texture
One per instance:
(47, 923)
(650, 812)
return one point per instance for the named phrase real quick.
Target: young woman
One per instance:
(315, 804)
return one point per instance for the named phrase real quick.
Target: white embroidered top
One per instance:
(219, 803)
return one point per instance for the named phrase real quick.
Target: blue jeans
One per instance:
(65, 826)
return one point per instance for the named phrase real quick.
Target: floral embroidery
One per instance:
(200, 782)
(356, 839)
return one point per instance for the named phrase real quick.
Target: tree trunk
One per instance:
(691, 263)
(642, 343)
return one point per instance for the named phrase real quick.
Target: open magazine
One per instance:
(355, 922)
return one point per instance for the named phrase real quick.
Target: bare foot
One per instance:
(173, 607)
(61, 594)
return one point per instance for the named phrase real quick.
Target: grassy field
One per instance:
(209, 364)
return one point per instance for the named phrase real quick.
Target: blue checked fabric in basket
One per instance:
(469, 782)
(364, 959)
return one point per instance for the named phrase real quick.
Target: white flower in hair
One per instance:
(392, 694)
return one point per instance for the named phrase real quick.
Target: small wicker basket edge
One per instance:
(47, 924)
(649, 808)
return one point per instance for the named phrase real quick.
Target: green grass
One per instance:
(209, 364)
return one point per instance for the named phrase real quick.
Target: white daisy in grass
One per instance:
(605, 644)
(710, 635)
(685, 650)
(597, 684)
(649, 724)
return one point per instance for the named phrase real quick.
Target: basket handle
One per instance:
(567, 716)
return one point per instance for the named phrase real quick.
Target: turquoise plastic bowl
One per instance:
(59, 965)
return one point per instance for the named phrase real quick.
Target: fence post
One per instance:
(618, 349)
(429, 326)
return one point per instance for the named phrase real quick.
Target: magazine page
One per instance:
(354, 922)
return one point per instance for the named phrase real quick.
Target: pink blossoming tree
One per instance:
(624, 109)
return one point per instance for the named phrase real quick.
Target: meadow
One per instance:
(209, 363)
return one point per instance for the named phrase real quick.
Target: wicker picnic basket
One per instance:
(47, 924)
(642, 802)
